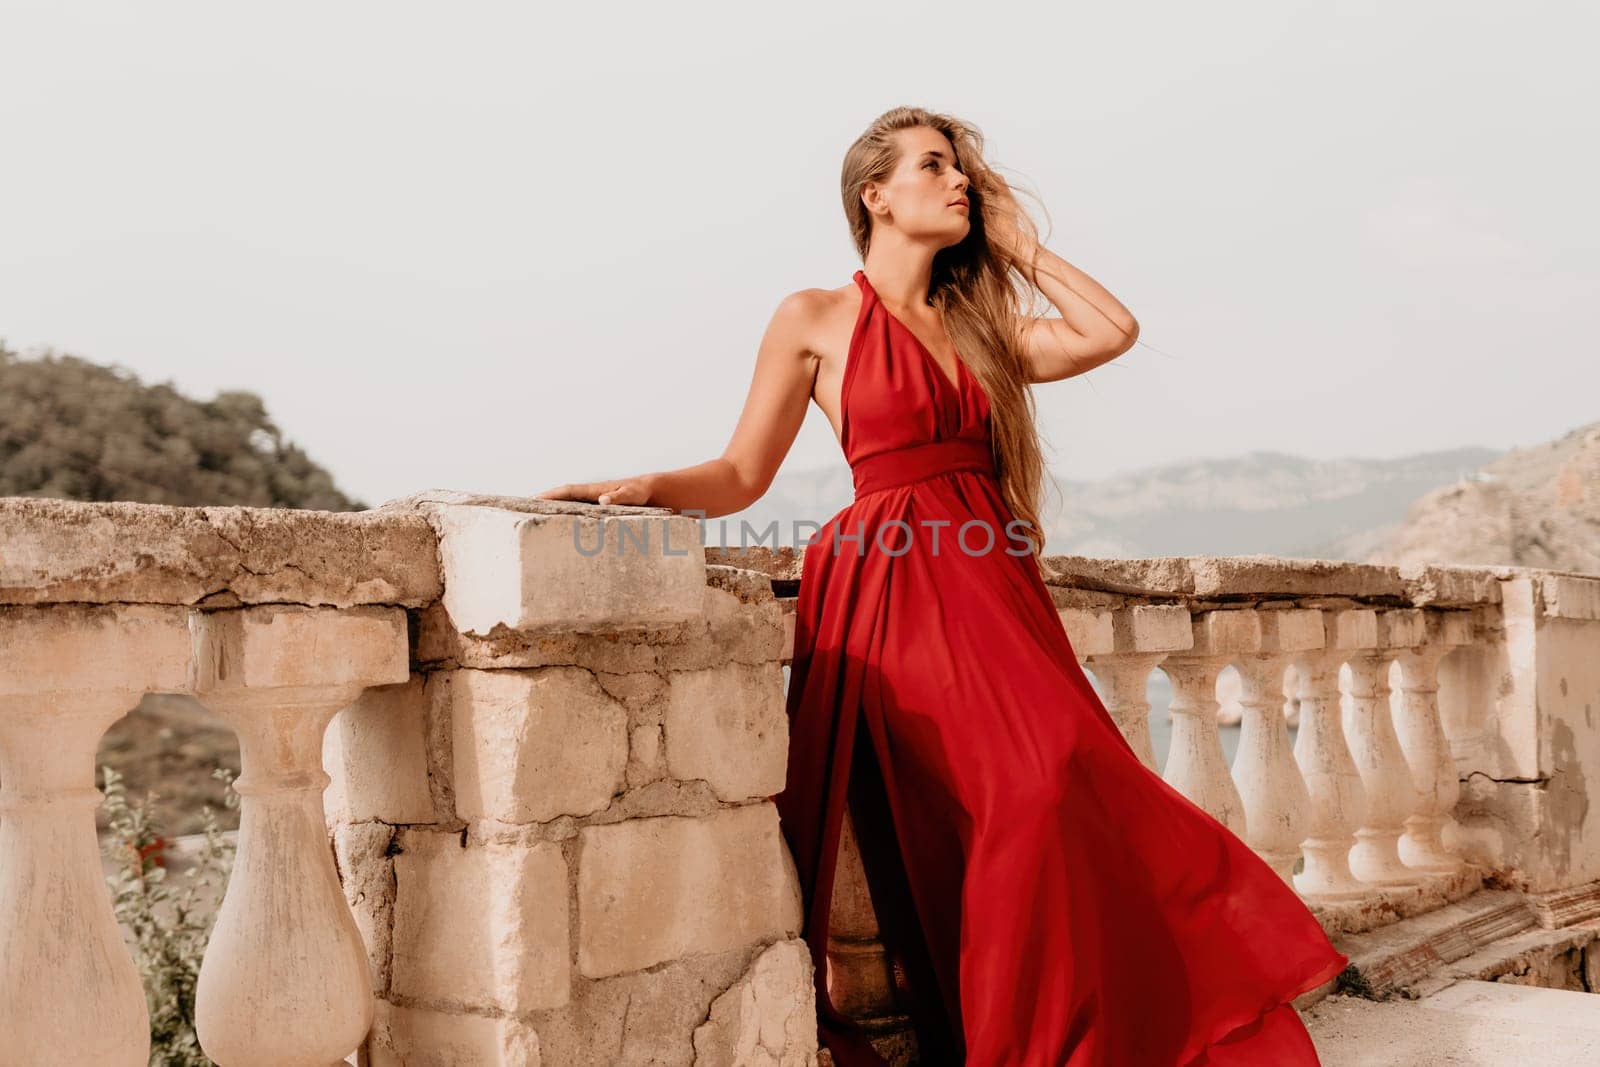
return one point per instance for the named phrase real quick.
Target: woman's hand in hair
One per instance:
(1005, 224)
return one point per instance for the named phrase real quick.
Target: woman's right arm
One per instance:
(780, 389)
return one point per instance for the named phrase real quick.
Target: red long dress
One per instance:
(1051, 899)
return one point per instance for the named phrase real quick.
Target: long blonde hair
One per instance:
(972, 288)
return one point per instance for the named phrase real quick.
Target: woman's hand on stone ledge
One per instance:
(617, 491)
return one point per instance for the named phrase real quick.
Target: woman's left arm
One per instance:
(1094, 327)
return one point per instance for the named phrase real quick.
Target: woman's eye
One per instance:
(931, 163)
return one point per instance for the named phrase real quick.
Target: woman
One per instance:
(1047, 898)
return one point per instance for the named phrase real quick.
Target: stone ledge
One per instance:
(1489, 934)
(54, 551)
(1386, 905)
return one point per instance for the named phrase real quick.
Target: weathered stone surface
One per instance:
(376, 754)
(787, 654)
(1088, 631)
(1440, 585)
(76, 647)
(1153, 628)
(1250, 631)
(750, 586)
(732, 631)
(644, 755)
(642, 1019)
(1351, 629)
(1249, 577)
(283, 646)
(551, 569)
(440, 646)
(1383, 905)
(1402, 628)
(1158, 576)
(438, 697)
(481, 928)
(768, 1018)
(417, 1037)
(651, 890)
(531, 745)
(728, 726)
(781, 564)
(60, 550)
(1565, 907)
(725, 629)
(1411, 952)
(1548, 959)
(1259, 576)
(361, 852)
(1568, 597)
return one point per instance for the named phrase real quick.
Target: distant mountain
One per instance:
(1531, 507)
(1267, 502)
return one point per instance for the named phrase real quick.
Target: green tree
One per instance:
(76, 430)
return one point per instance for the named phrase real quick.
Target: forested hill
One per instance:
(75, 430)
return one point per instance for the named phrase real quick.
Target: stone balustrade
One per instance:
(1443, 719)
(508, 767)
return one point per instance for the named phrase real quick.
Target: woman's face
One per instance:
(926, 194)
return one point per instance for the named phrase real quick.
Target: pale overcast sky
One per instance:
(497, 248)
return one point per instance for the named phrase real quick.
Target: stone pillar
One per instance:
(1195, 764)
(69, 990)
(1338, 800)
(285, 977)
(1122, 657)
(861, 978)
(1127, 678)
(1421, 735)
(1369, 729)
(1277, 805)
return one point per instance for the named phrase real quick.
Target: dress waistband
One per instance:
(913, 463)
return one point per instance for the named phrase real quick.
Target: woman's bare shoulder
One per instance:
(815, 314)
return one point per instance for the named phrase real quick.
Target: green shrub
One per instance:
(169, 920)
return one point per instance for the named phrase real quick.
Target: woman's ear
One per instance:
(872, 199)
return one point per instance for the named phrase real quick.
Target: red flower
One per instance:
(155, 850)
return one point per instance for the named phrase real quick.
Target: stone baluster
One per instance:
(285, 978)
(1127, 681)
(1196, 766)
(1277, 805)
(1470, 718)
(1338, 799)
(861, 979)
(1421, 734)
(1369, 729)
(69, 990)
(1123, 654)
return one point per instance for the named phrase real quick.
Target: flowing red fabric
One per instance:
(1050, 899)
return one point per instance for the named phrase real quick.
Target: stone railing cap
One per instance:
(64, 550)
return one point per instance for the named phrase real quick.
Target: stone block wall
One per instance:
(558, 835)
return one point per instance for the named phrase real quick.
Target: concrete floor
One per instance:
(1492, 1024)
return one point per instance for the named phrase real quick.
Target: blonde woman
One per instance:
(1047, 898)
